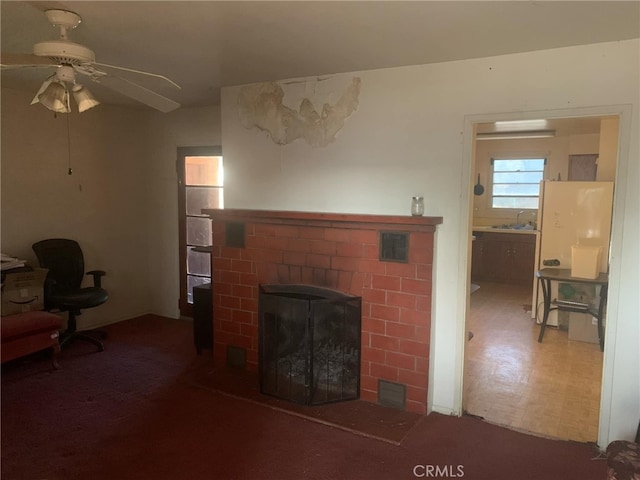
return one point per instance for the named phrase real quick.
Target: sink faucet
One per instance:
(518, 217)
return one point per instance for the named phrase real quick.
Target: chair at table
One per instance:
(63, 286)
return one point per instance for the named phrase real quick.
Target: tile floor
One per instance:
(550, 388)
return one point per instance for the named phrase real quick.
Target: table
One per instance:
(548, 275)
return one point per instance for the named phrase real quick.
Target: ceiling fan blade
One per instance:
(155, 75)
(21, 60)
(137, 92)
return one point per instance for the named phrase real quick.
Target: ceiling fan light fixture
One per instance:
(42, 88)
(70, 58)
(55, 97)
(84, 98)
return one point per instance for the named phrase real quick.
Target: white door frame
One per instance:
(615, 267)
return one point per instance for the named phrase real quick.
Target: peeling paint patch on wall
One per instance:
(261, 106)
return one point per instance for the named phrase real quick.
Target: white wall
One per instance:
(556, 150)
(102, 205)
(186, 127)
(120, 203)
(410, 135)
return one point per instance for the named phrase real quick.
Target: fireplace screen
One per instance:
(309, 344)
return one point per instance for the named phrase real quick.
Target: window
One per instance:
(201, 179)
(516, 182)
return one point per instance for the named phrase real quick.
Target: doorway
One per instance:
(200, 185)
(509, 378)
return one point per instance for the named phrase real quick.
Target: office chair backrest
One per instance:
(64, 260)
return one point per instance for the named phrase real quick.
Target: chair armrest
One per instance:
(97, 277)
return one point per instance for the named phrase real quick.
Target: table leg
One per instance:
(603, 301)
(546, 294)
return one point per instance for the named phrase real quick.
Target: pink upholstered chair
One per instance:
(623, 459)
(30, 332)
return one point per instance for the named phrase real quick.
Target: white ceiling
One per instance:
(203, 45)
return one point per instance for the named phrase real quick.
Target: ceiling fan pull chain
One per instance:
(70, 171)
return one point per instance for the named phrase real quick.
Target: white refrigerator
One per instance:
(570, 213)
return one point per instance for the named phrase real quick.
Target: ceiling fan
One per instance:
(68, 59)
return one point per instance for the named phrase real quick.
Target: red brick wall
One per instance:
(339, 252)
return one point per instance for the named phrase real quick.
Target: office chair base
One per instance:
(68, 338)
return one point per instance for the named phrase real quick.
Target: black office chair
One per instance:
(63, 286)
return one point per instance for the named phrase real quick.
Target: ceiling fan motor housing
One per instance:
(63, 51)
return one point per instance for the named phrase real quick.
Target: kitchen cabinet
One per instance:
(503, 257)
(478, 257)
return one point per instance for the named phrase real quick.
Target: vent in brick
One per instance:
(392, 394)
(394, 246)
(236, 357)
(234, 235)
(309, 340)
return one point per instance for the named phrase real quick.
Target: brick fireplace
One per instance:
(385, 260)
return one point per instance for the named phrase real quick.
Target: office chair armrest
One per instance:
(97, 277)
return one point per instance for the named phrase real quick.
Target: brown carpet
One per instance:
(135, 411)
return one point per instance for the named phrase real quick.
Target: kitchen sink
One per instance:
(514, 227)
(505, 228)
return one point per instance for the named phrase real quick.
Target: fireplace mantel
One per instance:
(338, 220)
(344, 252)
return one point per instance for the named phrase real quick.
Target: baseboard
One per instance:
(444, 410)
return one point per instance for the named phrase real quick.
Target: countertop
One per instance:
(517, 231)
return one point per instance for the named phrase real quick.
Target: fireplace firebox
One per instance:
(309, 344)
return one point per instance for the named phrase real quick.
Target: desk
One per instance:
(547, 275)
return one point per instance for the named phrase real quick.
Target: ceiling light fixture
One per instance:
(84, 99)
(55, 97)
(528, 125)
(516, 135)
(54, 93)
